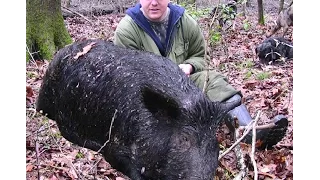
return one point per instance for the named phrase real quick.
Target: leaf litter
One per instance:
(60, 159)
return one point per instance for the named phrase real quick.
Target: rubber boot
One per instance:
(265, 138)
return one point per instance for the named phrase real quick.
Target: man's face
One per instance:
(154, 9)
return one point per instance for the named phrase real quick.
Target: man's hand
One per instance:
(186, 68)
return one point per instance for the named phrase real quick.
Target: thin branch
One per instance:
(33, 110)
(77, 14)
(95, 166)
(110, 128)
(33, 61)
(240, 159)
(279, 96)
(290, 97)
(42, 128)
(215, 15)
(249, 127)
(265, 126)
(206, 79)
(267, 174)
(289, 146)
(30, 53)
(254, 135)
(37, 155)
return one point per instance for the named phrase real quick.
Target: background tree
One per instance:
(281, 2)
(248, 3)
(46, 32)
(281, 5)
(260, 12)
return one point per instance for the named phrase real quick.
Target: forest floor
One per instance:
(266, 88)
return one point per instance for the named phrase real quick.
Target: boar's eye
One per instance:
(181, 142)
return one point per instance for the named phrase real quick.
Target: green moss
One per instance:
(79, 155)
(263, 75)
(27, 57)
(45, 31)
(248, 74)
(61, 35)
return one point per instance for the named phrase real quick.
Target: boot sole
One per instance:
(267, 138)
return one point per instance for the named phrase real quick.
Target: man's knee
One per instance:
(217, 86)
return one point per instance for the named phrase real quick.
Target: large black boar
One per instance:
(164, 127)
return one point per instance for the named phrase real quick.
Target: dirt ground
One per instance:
(53, 157)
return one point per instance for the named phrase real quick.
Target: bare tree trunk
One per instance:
(45, 30)
(281, 2)
(260, 12)
(244, 10)
(248, 3)
(244, 5)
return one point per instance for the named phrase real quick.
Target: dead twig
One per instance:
(254, 135)
(33, 61)
(207, 71)
(215, 15)
(33, 111)
(240, 159)
(290, 98)
(265, 126)
(289, 146)
(37, 155)
(77, 14)
(110, 128)
(42, 128)
(267, 174)
(248, 128)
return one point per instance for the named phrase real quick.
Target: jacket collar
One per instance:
(175, 14)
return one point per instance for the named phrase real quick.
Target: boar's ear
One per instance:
(160, 104)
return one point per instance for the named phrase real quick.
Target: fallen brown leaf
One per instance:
(29, 91)
(259, 143)
(240, 48)
(53, 178)
(84, 50)
(72, 174)
(268, 168)
(29, 167)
